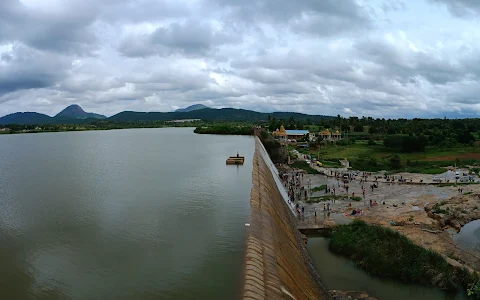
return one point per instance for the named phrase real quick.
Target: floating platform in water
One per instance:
(235, 160)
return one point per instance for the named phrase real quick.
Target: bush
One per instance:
(319, 188)
(406, 143)
(304, 166)
(395, 162)
(387, 253)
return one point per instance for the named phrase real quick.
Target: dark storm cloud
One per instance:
(403, 64)
(326, 17)
(66, 31)
(461, 8)
(29, 69)
(192, 38)
(285, 10)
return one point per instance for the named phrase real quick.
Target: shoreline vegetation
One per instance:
(99, 125)
(225, 129)
(386, 253)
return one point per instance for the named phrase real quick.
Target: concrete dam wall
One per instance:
(277, 265)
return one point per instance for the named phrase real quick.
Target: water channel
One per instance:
(340, 273)
(123, 214)
(469, 236)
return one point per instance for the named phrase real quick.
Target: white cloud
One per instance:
(352, 57)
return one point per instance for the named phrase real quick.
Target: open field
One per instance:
(379, 151)
(378, 157)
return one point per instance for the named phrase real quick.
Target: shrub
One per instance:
(386, 253)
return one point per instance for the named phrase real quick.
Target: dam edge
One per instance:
(277, 264)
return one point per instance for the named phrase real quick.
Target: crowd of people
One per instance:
(297, 190)
(293, 183)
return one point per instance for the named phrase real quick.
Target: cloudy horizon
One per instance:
(353, 57)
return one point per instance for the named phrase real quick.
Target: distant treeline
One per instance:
(225, 129)
(97, 125)
(401, 134)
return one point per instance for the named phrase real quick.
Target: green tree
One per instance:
(358, 128)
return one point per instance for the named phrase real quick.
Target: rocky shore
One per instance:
(456, 212)
(349, 295)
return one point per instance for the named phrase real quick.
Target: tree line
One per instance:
(403, 134)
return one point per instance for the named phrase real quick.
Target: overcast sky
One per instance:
(415, 58)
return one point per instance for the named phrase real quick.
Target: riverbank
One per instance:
(387, 253)
(26, 129)
(225, 129)
(397, 206)
(340, 273)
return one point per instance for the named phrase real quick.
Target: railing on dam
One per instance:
(277, 265)
(271, 166)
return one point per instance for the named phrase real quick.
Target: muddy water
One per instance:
(340, 273)
(469, 237)
(123, 214)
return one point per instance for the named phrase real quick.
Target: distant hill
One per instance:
(74, 111)
(212, 114)
(26, 118)
(75, 115)
(192, 108)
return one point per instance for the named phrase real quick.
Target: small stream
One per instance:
(340, 273)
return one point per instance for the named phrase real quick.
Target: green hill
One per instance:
(208, 114)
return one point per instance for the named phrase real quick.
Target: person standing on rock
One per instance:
(303, 210)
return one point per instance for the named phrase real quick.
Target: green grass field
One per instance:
(319, 188)
(304, 166)
(377, 157)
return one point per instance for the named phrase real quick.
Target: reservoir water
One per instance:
(340, 273)
(123, 214)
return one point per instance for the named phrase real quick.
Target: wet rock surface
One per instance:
(350, 295)
(456, 212)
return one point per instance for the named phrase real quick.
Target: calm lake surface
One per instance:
(340, 273)
(123, 214)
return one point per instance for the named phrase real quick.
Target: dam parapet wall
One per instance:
(277, 264)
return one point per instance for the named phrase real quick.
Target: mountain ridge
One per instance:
(74, 111)
(210, 114)
(192, 108)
